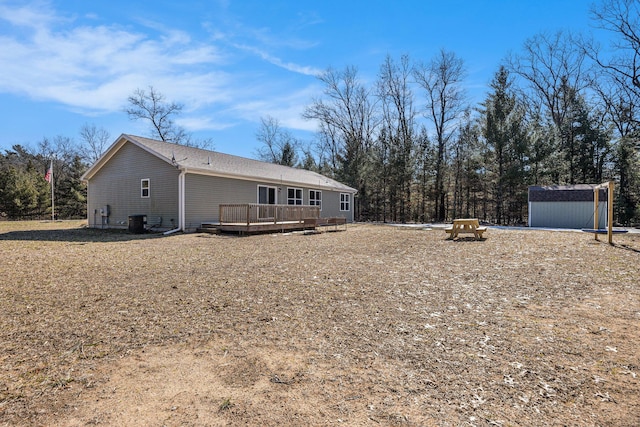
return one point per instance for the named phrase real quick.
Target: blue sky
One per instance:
(64, 63)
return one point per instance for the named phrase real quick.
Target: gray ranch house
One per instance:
(179, 188)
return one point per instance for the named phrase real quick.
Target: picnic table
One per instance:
(465, 225)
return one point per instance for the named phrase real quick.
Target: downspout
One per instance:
(181, 204)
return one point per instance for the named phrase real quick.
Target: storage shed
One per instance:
(566, 206)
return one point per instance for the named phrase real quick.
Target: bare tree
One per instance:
(94, 141)
(557, 75)
(347, 123)
(441, 79)
(551, 65)
(62, 149)
(622, 18)
(152, 107)
(621, 105)
(279, 146)
(398, 138)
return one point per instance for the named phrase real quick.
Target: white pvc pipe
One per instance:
(181, 199)
(166, 233)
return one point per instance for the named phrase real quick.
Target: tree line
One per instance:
(24, 191)
(559, 111)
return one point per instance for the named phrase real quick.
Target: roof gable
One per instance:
(206, 162)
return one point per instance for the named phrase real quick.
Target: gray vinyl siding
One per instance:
(331, 205)
(566, 214)
(204, 194)
(117, 184)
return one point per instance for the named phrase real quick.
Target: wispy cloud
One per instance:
(96, 67)
(287, 108)
(203, 123)
(263, 41)
(90, 67)
(32, 15)
(289, 66)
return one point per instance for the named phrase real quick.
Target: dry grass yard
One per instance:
(375, 326)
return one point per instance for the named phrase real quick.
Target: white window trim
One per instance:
(346, 196)
(317, 202)
(295, 199)
(267, 186)
(142, 188)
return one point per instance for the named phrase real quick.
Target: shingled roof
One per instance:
(206, 162)
(565, 193)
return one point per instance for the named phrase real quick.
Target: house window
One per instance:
(144, 187)
(294, 196)
(315, 198)
(345, 201)
(266, 195)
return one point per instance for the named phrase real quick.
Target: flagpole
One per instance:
(53, 206)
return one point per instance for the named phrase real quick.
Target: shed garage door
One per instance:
(566, 214)
(566, 206)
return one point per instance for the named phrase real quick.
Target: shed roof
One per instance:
(206, 162)
(565, 193)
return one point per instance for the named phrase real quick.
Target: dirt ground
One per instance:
(374, 326)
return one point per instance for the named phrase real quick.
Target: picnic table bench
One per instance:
(315, 223)
(465, 225)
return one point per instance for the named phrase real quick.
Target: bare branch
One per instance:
(94, 141)
(151, 106)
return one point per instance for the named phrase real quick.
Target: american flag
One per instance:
(47, 176)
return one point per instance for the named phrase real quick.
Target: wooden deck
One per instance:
(261, 227)
(259, 218)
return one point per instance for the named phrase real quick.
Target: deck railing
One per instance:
(252, 213)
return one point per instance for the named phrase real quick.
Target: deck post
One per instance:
(248, 215)
(596, 199)
(596, 219)
(610, 213)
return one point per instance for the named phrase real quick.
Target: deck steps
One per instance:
(208, 228)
